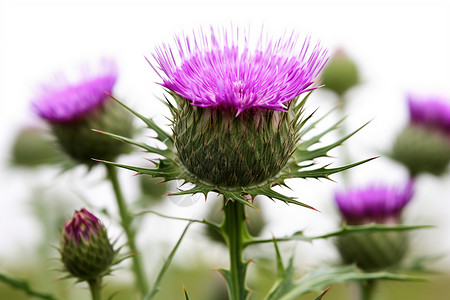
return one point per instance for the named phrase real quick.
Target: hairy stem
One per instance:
(368, 290)
(130, 233)
(95, 286)
(236, 234)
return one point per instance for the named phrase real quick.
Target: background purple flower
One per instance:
(433, 112)
(222, 70)
(67, 101)
(375, 203)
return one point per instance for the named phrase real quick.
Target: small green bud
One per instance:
(373, 251)
(85, 248)
(340, 74)
(32, 148)
(422, 150)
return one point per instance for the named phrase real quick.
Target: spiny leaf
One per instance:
(269, 192)
(166, 153)
(301, 154)
(161, 134)
(313, 125)
(185, 294)
(236, 196)
(323, 294)
(319, 279)
(315, 139)
(165, 266)
(322, 172)
(165, 169)
(345, 230)
(24, 286)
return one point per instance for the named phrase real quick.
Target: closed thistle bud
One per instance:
(85, 248)
(424, 145)
(340, 74)
(74, 109)
(380, 205)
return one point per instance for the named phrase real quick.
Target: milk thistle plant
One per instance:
(238, 129)
(238, 126)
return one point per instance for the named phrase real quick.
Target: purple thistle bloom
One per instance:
(66, 101)
(214, 71)
(82, 226)
(379, 204)
(431, 112)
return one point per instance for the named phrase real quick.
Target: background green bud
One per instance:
(422, 150)
(340, 73)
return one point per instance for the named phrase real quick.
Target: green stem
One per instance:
(367, 289)
(342, 131)
(95, 286)
(126, 218)
(235, 233)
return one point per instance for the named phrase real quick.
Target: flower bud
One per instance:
(340, 74)
(32, 148)
(424, 145)
(375, 204)
(74, 109)
(85, 248)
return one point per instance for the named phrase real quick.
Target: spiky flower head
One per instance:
(85, 249)
(424, 144)
(74, 107)
(374, 204)
(217, 71)
(237, 117)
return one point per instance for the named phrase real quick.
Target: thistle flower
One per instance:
(217, 72)
(85, 248)
(374, 204)
(424, 145)
(73, 109)
(237, 117)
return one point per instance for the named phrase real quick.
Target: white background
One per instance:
(400, 46)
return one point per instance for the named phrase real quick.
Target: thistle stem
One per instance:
(235, 234)
(95, 286)
(367, 290)
(342, 131)
(126, 220)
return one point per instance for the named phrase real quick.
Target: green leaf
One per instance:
(185, 294)
(319, 279)
(302, 154)
(346, 229)
(161, 134)
(322, 172)
(166, 169)
(166, 153)
(24, 286)
(155, 288)
(323, 294)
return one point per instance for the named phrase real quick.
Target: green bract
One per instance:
(78, 140)
(239, 157)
